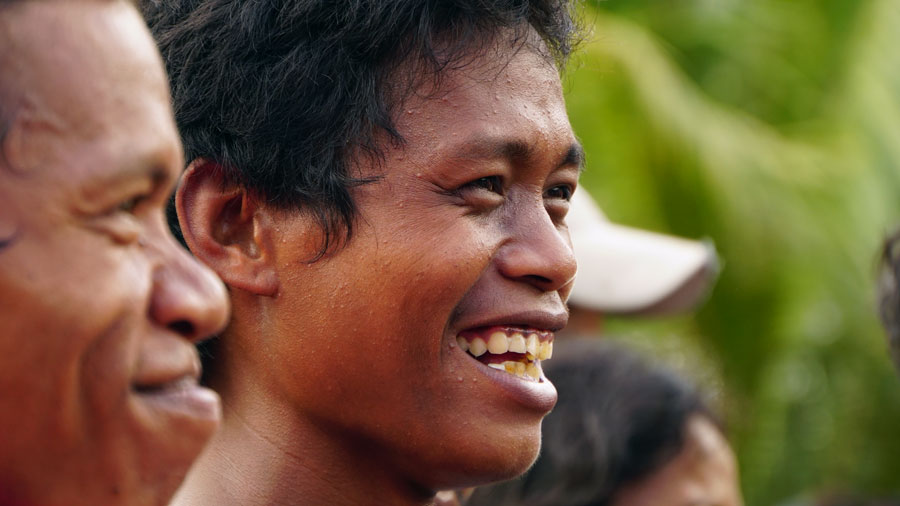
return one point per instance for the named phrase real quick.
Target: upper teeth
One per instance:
(517, 343)
(532, 346)
(499, 342)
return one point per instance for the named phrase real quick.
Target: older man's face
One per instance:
(98, 304)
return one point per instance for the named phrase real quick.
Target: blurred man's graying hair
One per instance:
(286, 95)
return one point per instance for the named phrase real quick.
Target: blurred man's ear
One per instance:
(227, 228)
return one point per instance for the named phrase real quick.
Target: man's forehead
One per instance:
(500, 108)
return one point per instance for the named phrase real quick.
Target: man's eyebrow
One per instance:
(516, 149)
(144, 166)
(574, 157)
(135, 172)
(494, 148)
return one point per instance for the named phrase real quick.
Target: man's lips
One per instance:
(184, 400)
(516, 350)
(165, 362)
(167, 379)
(513, 342)
(549, 321)
(184, 382)
(501, 361)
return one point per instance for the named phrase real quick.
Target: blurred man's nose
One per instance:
(188, 298)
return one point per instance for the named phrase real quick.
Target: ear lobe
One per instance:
(225, 227)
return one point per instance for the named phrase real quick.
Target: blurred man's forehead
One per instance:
(106, 85)
(72, 55)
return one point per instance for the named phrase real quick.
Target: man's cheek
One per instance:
(9, 226)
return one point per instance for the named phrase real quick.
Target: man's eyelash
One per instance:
(566, 191)
(489, 183)
(129, 205)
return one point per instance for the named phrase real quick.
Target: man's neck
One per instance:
(264, 454)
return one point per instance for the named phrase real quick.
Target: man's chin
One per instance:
(492, 463)
(172, 435)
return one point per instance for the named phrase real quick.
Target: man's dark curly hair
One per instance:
(285, 95)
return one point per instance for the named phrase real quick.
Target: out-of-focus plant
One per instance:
(772, 128)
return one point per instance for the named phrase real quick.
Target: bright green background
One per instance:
(773, 128)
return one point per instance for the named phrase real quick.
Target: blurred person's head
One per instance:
(625, 432)
(847, 499)
(889, 294)
(383, 186)
(99, 305)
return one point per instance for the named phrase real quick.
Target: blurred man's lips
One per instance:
(182, 396)
(185, 381)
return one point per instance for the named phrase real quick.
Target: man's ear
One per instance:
(227, 228)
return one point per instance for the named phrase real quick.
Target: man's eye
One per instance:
(129, 205)
(562, 191)
(492, 184)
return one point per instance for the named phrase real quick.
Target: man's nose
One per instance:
(188, 298)
(539, 252)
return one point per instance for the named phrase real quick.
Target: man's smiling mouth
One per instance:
(515, 350)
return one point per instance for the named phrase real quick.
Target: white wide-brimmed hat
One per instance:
(624, 270)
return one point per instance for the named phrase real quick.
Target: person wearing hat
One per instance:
(628, 271)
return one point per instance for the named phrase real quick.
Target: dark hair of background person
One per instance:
(852, 500)
(619, 418)
(285, 95)
(889, 293)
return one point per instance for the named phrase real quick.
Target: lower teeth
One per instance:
(522, 370)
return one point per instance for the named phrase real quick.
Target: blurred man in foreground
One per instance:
(99, 306)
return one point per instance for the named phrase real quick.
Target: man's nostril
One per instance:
(534, 278)
(184, 328)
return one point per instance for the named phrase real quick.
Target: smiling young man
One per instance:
(99, 305)
(383, 186)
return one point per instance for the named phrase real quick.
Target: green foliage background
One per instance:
(773, 128)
